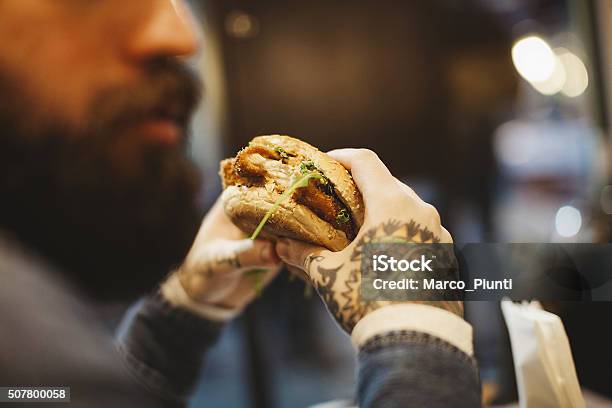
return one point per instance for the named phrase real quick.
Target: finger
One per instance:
(408, 190)
(255, 253)
(230, 257)
(445, 236)
(301, 255)
(370, 174)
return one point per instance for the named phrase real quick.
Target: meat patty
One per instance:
(327, 207)
(249, 161)
(231, 177)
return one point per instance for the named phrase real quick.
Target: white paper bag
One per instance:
(545, 372)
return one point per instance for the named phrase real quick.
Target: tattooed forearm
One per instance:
(325, 288)
(339, 285)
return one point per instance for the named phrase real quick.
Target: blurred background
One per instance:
(495, 111)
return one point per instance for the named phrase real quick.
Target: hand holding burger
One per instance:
(312, 204)
(223, 270)
(278, 186)
(392, 209)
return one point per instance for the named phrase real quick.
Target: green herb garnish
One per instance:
(307, 166)
(327, 187)
(343, 216)
(281, 152)
(300, 183)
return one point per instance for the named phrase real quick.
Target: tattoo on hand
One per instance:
(310, 259)
(325, 288)
(230, 260)
(341, 294)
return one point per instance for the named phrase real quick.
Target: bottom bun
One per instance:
(246, 207)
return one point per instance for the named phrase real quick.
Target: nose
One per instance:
(168, 31)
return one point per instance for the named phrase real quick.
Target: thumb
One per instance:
(300, 254)
(230, 256)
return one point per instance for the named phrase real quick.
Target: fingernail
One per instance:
(282, 248)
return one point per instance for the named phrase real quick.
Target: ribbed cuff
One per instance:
(415, 317)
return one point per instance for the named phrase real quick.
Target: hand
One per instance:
(392, 209)
(224, 268)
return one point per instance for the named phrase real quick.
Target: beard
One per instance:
(110, 209)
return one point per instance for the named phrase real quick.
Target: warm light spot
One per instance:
(533, 59)
(555, 82)
(241, 25)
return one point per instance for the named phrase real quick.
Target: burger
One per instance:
(280, 186)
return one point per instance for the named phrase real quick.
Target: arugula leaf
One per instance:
(343, 216)
(300, 183)
(307, 166)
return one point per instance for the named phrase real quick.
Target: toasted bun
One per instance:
(246, 206)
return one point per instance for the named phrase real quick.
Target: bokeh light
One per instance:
(577, 78)
(533, 58)
(568, 221)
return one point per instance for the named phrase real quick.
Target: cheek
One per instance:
(60, 66)
(67, 75)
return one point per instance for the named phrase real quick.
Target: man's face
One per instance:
(64, 53)
(94, 106)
